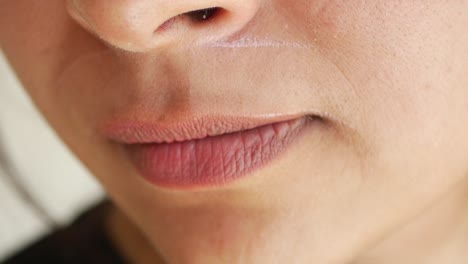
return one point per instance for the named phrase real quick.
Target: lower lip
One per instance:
(213, 161)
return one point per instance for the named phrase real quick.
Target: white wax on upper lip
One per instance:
(254, 42)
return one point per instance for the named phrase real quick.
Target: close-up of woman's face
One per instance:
(255, 131)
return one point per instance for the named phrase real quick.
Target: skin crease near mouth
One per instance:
(379, 177)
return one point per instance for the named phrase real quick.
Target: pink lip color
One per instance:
(187, 157)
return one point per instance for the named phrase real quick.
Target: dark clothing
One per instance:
(85, 241)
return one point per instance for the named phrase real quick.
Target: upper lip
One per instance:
(138, 132)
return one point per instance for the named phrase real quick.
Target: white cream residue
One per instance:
(253, 42)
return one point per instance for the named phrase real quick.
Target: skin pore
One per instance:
(381, 177)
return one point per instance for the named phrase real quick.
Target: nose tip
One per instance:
(141, 25)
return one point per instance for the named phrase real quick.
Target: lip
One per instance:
(207, 152)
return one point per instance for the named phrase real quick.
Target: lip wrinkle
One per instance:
(217, 160)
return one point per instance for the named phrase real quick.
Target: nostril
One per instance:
(195, 16)
(203, 14)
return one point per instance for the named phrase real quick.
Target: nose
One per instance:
(141, 25)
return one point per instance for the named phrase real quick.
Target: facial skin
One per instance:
(383, 174)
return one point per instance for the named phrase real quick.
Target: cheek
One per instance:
(406, 66)
(404, 62)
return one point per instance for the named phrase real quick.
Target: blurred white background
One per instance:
(55, 181)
